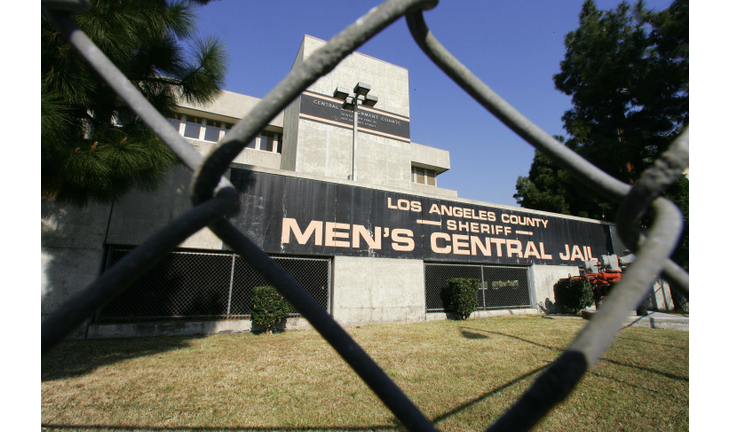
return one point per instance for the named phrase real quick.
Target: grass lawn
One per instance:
(462, 375)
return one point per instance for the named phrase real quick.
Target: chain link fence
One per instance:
(500, 287)
(213, 197)
(206, 285)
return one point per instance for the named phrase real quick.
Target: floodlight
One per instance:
(341, 93)
(361, 89)
(370, 101)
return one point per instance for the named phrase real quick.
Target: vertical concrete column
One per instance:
(72, 249)
(374, 290)
(543, 278)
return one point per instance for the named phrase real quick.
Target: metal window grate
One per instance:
(504, 287)
(213, 197)
(500, 286)
(206, 285)
(180, 285)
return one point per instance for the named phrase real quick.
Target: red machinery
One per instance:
(602, 273)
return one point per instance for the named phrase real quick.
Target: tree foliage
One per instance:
(94, 148)
(627, 72)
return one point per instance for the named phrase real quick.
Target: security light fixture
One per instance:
(341, 93)
(359, 96)
(370, 101)
(361, 89)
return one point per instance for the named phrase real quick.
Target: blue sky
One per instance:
(514, 46)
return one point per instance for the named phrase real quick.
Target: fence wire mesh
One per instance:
(500, 287)
(206, 285)
(213, 197)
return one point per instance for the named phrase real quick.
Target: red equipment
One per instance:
(604, 272)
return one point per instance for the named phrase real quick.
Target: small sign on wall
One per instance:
(369, 119)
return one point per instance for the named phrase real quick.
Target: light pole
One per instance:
(359, 96)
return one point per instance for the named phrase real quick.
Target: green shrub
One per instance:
(573, 294)
(600, 293)
(462, 296)
(269, 307)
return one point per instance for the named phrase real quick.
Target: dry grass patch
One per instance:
(462, 374)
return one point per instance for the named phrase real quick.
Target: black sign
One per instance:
(292, 215)
(369, 119)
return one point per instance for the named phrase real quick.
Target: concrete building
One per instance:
(352, 210)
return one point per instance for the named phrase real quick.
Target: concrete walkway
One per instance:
(658, 320)
(661, 321)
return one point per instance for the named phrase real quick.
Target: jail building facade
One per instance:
(335, 191)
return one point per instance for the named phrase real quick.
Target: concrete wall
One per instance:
(430, 157)
(376, 290)
(259, 158)
(291, 127)
(139, 214)
(543, 278)
(321, 149)
(384, 162)
(227, 106)
(660, 296)
(72, 250)
(182, 328)
(290, 136)
(326, 151)
(248, 156)
(419, 189)
(438, 316)
(388, 81)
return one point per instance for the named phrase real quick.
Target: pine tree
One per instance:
(94, 148)
(627, 71)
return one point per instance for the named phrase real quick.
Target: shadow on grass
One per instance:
(75, 358)
(653, 343)
(646, 369)
(466, 405)
(374, 428)
(474, 331)
(471, 333)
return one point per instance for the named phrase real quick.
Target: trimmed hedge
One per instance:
(573, 294)
(462, 296)
(269, 307)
